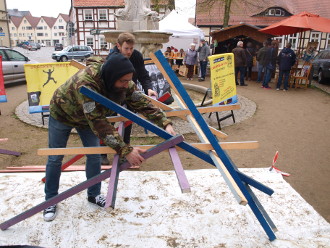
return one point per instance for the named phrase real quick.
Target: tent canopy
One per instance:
(179, 26)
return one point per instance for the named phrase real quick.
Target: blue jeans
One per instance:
(267, 77)
(260, 70)
(241, 70)
(58, 135)
(203, 65)
(286, 74)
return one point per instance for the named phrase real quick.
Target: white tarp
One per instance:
(184, 33)
(152, 212)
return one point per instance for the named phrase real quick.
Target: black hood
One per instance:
(114, 68)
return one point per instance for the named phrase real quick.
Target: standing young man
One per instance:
(286, 59)
(70, 109)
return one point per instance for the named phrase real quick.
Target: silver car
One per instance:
(73, 52)
(13, 65)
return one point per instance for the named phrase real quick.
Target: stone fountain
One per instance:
(138, 19)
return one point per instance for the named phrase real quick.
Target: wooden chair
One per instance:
(299, 77)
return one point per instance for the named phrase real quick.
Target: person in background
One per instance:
(240, 63)
(168, 54)
(270, 67)
(204, 52)
(263, 59)
(286, 59)
(71, 109)
(179, 57)
(190, 60)
(250, 53)
(125, 46)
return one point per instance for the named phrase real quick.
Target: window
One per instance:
(60, 20)
(60, 27)
(327, 45)
(28, 28)
(271, 12)
(12, 28)
(55, 34)
(280, 41)
(45, 27)
(40, 28)
(61, 34)
(90, 42)
(275, 12)
(40, 34)
(293, 39)
(88, 14)
(103, 43)
(279, 12)
(315, 37)
(55, 27)
(25, 21)
(103, 15)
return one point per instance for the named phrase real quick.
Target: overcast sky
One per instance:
(54, 7)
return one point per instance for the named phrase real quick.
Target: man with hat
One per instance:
(70, 109)
(204, 52)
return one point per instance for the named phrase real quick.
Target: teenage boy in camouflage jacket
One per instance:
(70, 109)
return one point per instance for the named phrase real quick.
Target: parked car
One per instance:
(58, 47)
(22, 44)
(38, 46)
(32, 46)
(13, 65)
(73, 52)
(42, 44)
(321, 66)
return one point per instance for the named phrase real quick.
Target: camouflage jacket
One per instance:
(74, 109)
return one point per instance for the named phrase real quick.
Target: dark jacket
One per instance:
(286, 59)
(263, 56)
(239, 57)
(250, 53)
(140, 73)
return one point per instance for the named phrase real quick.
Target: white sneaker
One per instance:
(278, 89)
(50, 213)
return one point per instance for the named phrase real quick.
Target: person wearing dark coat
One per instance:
(286, 59)
(250, 53)
(240, 63)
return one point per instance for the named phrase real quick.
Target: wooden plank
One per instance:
(229, 168)
(8, 152)
(84, 185)
(159, 131)
(107, 150)
(77, 64)
(182, 178)
(182, 112)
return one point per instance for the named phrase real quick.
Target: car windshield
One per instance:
(67, 48)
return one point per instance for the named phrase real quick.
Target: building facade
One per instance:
(4, 25)
(262, 13)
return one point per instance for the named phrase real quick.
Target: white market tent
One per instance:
(184, 33)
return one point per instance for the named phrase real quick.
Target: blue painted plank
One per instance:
(220, 152)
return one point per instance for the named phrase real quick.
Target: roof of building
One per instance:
(251, 11)
(16, 12)
(33, 20)
(65, 17)
(49, 20)
(16, 20)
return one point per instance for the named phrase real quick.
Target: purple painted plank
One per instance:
(112, 186)
(3, 151)
(84, 185)
(183, 181)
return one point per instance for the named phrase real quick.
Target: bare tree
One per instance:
(157, 4)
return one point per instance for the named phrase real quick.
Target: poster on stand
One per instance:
(223, 85)
(42, 80)
(3, 96)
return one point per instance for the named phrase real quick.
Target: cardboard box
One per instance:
(175, 67)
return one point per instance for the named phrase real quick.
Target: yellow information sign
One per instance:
(42, 80)
(223, 85)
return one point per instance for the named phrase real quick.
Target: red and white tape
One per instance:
(277, 169)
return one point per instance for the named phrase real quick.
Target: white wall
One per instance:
(182, 42)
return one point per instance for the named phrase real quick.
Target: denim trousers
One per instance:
(260, 70)
(285, 74)
(58, 135)
(203, 65)
(241, 70)
(267, 77)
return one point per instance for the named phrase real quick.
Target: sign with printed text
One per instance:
(42, 80)
(3, 97)
(223, 85)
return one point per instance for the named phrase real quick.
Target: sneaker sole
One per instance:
(50, 218)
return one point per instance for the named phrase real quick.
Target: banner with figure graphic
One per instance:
(42, 80)
(223, 85)
(3, 97)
